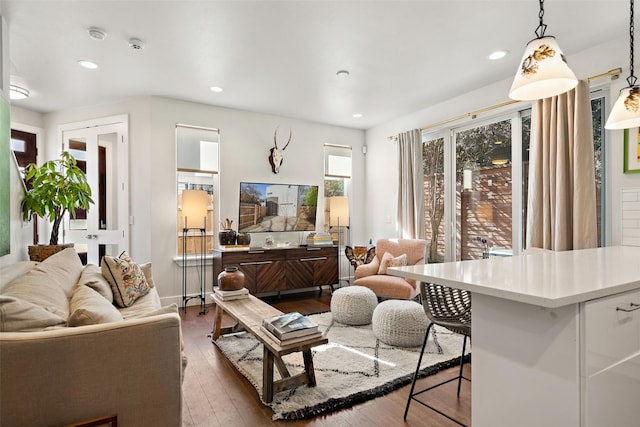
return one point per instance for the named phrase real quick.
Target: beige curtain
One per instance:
(410, 186)
(561, 206)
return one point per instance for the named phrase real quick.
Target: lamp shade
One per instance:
(543, 72)
(194, 208)
(339, 211)
(625, 113)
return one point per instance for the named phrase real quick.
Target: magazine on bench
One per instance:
(289, 325)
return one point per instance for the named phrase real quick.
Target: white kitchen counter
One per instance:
(550, 279)
(535, 335)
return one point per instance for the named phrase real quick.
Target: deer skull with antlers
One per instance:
(275, 158)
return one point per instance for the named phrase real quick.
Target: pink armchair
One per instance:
(386, 286)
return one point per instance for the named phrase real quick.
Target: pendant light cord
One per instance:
(542, 27)
(631, 80)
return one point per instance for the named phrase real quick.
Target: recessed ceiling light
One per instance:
(498, 54)
(342, 74)
(17, 92)
(356, 115)
(88, 64)
(97, 33)
(216, 89)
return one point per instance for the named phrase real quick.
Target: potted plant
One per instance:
(57, 187)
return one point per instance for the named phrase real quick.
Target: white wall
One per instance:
(381, 169)
(245, 139)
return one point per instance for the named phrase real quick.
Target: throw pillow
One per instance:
(388, 260)
(126, 279)
(88, 307)
(146, 269)
(19, 315)
(92, 277)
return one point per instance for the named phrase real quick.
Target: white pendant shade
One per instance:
(625, 113)
(543, 72)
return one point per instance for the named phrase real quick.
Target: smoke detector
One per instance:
(97, 33)
(136, 44)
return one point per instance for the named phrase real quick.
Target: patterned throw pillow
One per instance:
(126, 278)
(389, 261)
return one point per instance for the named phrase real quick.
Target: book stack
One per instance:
(290, 328)
(231, 295)
(320, 239)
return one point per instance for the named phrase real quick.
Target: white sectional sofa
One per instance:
(68, 354)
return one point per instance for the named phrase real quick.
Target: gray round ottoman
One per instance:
(400, 323)
(353, 305)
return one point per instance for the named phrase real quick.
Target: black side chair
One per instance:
(451, 309)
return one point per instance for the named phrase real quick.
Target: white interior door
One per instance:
(101, 148)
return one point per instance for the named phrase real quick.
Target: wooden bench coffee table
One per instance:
(249, 312)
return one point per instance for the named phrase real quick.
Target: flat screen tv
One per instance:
(277, 207)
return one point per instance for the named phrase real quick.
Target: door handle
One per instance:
(92, 236)
(631, 307)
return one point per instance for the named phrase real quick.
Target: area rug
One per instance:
(352, 368)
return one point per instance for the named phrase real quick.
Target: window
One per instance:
(483, 189)
(337, 178)
(487, 167)
(197, 169)
(433, 164)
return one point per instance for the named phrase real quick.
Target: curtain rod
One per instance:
(611, 73)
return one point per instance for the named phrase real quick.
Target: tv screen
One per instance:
(277, 207)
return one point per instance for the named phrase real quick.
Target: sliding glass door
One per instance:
(469, 177)
(483, 190)
(476, 183)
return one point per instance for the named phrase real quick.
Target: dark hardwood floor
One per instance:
(215, 394)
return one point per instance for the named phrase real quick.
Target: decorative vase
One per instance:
(231, 279)
(243, 238)
(227, 237)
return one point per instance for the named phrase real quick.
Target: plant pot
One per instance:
(231, 279)
(227, 237)
(41, 252)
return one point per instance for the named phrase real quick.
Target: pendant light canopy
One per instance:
(543, 71)
(626, 111)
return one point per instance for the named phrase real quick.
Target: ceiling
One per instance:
(281, 57)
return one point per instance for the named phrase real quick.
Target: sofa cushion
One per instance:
(126, 279)
(9, 273)
(143, 305)
(92, 277)
(88, 307)
(20, 315)
(389, 260)
(49, 284)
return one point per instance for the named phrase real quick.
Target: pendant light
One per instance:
(626, 111)
(543, 71)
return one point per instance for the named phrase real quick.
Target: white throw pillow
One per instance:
(388, 260)
(88, 307)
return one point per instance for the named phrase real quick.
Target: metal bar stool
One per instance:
(451, 309)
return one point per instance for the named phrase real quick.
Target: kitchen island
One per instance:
(555, 336)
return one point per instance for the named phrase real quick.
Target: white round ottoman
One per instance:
(353, 305)
(400, 323)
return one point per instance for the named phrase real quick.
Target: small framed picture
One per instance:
(631, 151)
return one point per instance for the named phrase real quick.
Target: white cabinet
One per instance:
(610, 367)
